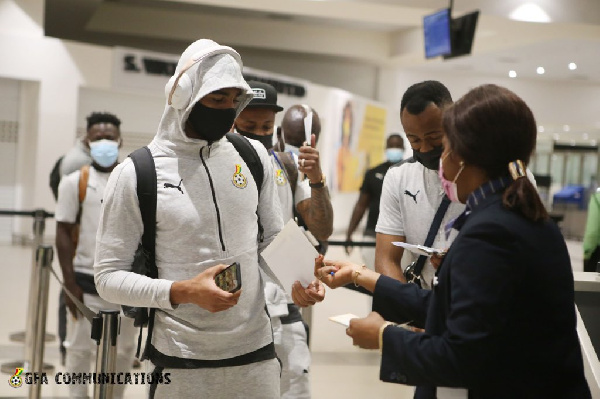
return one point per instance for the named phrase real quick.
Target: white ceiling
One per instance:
(378, 32)
(381, 33)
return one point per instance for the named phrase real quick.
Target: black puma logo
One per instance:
(178, 187)
(414, 196)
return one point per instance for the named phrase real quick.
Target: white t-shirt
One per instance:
(67, 208)
(410, 197)
(284, 189)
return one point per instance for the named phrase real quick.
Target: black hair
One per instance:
(102, 117)
(490, 127)
(418, 96)
(394, 136)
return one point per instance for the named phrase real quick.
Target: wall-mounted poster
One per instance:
(361, 135)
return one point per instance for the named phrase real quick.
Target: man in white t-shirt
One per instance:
(77, 215)
(310, 199)
(412, 191)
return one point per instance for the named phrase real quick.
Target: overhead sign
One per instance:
(146, 70)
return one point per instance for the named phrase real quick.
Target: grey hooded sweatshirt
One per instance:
(203, 219)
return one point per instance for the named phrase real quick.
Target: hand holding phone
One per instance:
(230, 279)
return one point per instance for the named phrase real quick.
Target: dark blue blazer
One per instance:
(500, 321)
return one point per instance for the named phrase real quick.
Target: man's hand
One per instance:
(437, 259)
(365, 332)
(309, 161)
(77, 292)
(348, 248)
(204, 292)
(303, 297)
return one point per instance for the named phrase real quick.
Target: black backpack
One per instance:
(55, 177)
(144, 260)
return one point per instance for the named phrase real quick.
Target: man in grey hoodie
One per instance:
(214, 344)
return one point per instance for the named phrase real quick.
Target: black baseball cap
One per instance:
(265, 96)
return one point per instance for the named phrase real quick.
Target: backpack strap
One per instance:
(145, 172)
(433, 229)
(252, 160)
(84, 176)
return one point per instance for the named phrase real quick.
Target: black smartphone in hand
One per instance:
(230, 279)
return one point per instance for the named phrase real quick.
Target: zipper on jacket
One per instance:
(214, 196)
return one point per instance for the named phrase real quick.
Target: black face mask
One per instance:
(266, 140)
(429, 159)
(211, 123)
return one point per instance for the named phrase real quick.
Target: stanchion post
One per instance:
(105, 330)
(39, 225)
(44, 256)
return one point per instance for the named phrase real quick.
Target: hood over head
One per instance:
(205, 66)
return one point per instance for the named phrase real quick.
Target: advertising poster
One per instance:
(361, 126)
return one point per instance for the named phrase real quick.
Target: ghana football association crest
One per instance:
(238, 179)
(280, 178)
(16, 380)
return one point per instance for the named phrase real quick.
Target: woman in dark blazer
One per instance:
(500, 319)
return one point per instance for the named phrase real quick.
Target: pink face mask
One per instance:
(450, 187)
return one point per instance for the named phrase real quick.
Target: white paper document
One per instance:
(291, 257)
(419, 249)
(343, 319)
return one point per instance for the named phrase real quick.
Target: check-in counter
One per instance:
(587, 299)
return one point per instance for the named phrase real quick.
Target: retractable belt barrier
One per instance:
(353, 243)
(105, 324)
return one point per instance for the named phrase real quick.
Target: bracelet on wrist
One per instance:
(357, 273)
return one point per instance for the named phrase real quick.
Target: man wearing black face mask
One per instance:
(211, 212)
(312, 202)
(412, 192)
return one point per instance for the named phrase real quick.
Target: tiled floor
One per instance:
(339, 370)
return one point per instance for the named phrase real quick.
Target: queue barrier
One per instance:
(105, 324)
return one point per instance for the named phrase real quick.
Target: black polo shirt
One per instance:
(372, 184)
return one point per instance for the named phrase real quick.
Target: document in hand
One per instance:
(419, 249)
(291, 257)
(343, 319)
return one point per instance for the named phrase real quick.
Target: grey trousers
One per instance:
(256, 380)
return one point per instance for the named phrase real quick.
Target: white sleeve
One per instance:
(67, 204)
(390, 219)
(303, 191)
(119, 234)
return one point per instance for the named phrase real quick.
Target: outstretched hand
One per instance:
(303, 297)
(334, 273)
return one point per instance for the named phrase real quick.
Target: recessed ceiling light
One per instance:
(566, 128)
(512, 74)
(540, 70)
(529, 12)
(572, 66)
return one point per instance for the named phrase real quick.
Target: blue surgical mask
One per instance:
(394, 155)
(104, 152)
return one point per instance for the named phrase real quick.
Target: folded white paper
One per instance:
(419, 249)
(291, 257)
(343, 319)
